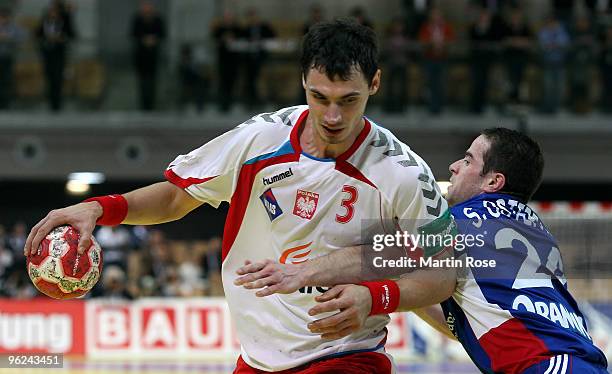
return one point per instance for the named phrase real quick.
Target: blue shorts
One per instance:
(565, 364)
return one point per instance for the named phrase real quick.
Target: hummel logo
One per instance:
(277, 177)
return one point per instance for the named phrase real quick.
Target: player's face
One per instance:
(337, 107)
(466, 179)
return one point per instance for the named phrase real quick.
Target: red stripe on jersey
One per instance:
(294, 138)
(512, 348)
(360, 138)
(348, 169)
(184, 182)
(240, 198)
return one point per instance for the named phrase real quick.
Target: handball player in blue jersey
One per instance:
(510, 309)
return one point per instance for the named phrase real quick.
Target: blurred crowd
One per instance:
(138, 262)
(491, 56)
(570, 47)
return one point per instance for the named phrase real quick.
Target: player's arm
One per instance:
(342, 266)
(208, 173)
(157, 203)
(434, 316)
(288, 278)
(355, 303)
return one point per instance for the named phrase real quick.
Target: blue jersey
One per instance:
(514, 311)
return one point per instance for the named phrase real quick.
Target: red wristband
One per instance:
(385, 296)
(114, 209)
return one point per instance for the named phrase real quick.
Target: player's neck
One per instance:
(314, 145)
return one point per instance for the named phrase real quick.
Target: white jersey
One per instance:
(290, 206)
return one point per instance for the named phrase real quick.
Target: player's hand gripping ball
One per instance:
(58, 271)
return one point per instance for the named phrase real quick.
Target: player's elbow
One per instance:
(444, 285)
(448, 283)
(180, 203)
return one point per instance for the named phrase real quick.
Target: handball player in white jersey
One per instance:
(302, 182)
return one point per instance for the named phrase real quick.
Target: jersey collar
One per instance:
(294, 138)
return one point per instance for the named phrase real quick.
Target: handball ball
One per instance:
(58, 271)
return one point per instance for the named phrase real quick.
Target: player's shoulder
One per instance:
(265, 132)
(274, 124)
(386, 154)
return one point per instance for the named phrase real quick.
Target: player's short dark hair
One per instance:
(336, 47)
(517, 157)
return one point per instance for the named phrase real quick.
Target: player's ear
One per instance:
(303, 81)
(494, 182)
(375, 82)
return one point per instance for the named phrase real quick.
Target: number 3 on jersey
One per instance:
(348, 204)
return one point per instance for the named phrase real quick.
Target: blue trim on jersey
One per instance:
(318, 159)
(464, 333)
(285, 149)
(341, 354)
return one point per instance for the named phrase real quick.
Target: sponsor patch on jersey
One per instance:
(442, 227)
(295, 255)
(271, 204)
(305, 204)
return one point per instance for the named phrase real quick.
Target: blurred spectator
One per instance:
(581, 58)
(6, 260)
(16, 283)
(554, 42)
(19, 286)
(10, 36)
(605, 64)
(211, 257)
(192, 80)
(225, 33)
(17, 237)
(147, 287)
(256, 32)
(140, 235)
(159, 253)
(3, 237)
(15, 241)
(315, 16)
(115, 241)
(395, 52)
(416, 12)
(435, 35)
(212, 267)
(359, 14)
(189, 271)
(518, 44)
(564, 11)
(170, 284)
(112, 285)
(484, 34)
(148, 31)
(65, 8)
(54, 33)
